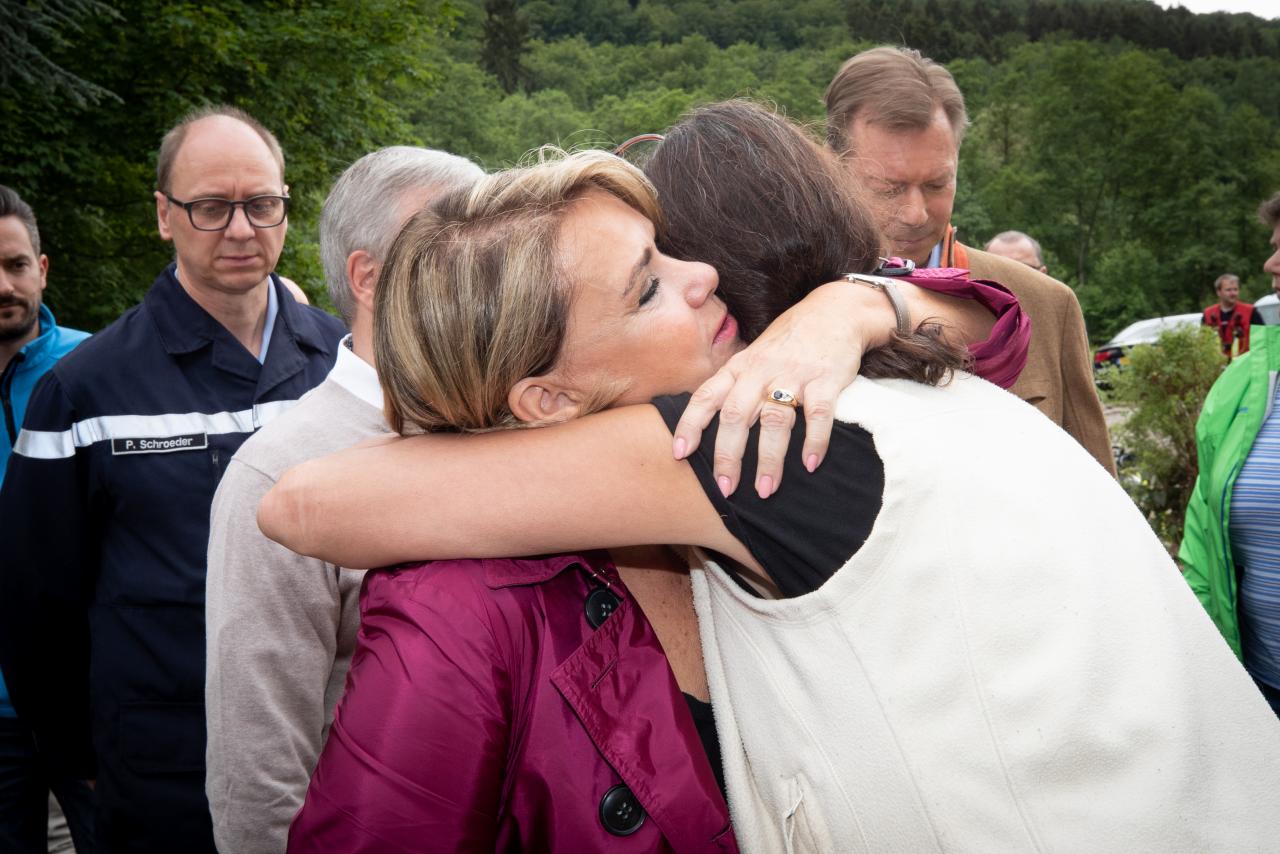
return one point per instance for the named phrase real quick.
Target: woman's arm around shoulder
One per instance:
(602, 481)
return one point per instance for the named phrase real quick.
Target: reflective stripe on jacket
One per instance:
(26, 367)
(106, 509)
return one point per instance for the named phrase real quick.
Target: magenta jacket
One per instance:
(484, 712)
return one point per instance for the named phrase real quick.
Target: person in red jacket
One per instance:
(1231, 317)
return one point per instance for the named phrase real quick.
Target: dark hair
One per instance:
(11, 204)
(749, 192)
(1269, 211)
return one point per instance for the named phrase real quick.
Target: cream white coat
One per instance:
(1012, 662)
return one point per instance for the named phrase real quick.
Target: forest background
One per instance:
(1135, 142)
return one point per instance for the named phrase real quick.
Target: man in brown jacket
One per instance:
(897, 120)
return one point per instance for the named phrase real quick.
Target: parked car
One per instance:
(1269, 308)
(1116, 351)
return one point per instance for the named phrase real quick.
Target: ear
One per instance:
(44, 271)
(362, 273)
(543, 399)
(162, 216)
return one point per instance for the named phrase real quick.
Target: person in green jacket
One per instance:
(1231, 541)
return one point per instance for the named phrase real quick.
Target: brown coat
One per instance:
(1058, 378)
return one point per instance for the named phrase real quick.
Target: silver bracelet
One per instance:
(890, 289)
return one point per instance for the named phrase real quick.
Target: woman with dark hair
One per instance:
(772, 234)
(968, 637)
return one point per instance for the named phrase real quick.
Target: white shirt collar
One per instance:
(356, 375)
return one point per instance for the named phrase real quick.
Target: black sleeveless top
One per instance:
(705, 722)
(814, 522)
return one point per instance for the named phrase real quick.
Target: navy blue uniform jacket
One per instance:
(102, 562)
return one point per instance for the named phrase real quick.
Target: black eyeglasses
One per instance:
(215, 214)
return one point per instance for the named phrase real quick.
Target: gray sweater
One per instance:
(281, 627)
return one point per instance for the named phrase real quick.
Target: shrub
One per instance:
(1163, 387)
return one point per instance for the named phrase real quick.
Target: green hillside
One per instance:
(1133, 141)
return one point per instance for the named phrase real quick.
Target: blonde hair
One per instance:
(472, 298)
(895, 87)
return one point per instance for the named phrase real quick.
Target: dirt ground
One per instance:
(1114, 414)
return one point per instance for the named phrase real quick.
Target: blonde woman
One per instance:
(982, 646)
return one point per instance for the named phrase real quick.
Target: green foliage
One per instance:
(329, 79)
(505, 33)
(1134, 142)
(25, 62)
(1141, 183)
(766, 23)
(1123, 288)
(1164, 386)
(950, 29)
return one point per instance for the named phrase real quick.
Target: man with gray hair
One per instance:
(896, 119)
(1018, 246)
(281, 627)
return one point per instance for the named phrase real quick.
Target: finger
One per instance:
(736, 419)
(819, 410)
(776, 423)
(703, 406)
(738, 414)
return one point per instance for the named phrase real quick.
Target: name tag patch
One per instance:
(160, 445)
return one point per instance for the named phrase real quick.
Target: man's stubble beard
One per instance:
(11, 330)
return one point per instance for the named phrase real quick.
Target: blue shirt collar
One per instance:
(935, 257)
(273, 308)
(185, 327)
(48, 330)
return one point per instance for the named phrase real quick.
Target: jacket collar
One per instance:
(614, 684)
(535, 570)
(184, 327)
(36, 347)
(951, 252)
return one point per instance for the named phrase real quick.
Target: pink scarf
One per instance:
(1000, 358)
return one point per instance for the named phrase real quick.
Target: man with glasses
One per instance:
(106, 500)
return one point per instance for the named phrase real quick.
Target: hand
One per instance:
(812, 350)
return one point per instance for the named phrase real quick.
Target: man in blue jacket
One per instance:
(106, 500)
(30, 342)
